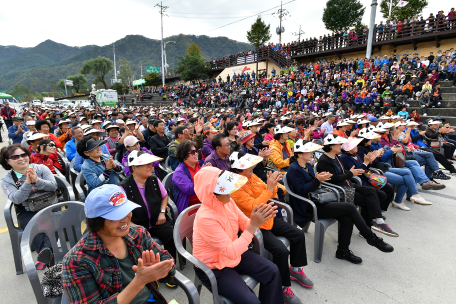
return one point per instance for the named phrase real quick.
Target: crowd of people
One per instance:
(230, 145)
(391, 29)
(232, 162)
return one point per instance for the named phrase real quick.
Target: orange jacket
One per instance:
(254, 193)
(216, 226)
(277, 154)
(407, 87)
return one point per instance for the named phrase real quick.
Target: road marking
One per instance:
(4, 229)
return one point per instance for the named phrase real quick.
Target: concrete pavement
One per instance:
(422, 268)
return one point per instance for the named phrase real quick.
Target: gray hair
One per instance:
(74, 128)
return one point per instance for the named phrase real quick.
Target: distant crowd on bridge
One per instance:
(390, 30)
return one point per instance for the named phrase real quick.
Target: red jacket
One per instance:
(54, 139)
(7, 114)
(50, 161)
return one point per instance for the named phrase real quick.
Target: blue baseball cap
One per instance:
(373, 119)
(109, 202)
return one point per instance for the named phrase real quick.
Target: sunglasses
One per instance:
(16, 157)
(52, 145)
(193, 152)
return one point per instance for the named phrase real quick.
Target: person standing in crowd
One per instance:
(7, 114)
(17, 130)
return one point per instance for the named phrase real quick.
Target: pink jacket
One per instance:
(216, 226)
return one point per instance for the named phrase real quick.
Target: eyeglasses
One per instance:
(16, 157)
(193, 152)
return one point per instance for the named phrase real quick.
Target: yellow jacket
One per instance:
(277, 154)
(254, 193)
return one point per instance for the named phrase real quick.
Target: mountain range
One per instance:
(40, 67)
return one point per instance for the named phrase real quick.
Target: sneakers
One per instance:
(301, 278)
(170, 282)
(378, 243)
(289, 297)
(440, 175)
(44, 258)
(401, 206)
(430, 185)
(385, 229)
(346, 254)
(425, 114)
(419, 200)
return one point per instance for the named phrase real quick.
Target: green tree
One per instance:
(259, 33)
(412, 9)
(126, 73)
(153, 79)
(118, 87)
(193, 66)
(99, 67)
(79, 83)
(340, 15)
(194, 49)
(21, 91)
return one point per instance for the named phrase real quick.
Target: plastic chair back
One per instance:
(320, 224)
(56, 224)
(15, 233)
(81, 187)
(68, 194)
(168, 183)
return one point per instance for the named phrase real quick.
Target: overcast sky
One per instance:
(26, 23)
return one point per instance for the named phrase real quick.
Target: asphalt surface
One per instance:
(422, 268)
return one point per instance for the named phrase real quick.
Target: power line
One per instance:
(250, 16)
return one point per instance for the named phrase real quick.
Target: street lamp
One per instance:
(166, 64)
(370, 38)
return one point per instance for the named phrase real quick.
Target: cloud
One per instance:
(29, 22)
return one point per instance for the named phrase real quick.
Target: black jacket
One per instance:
(159, 145)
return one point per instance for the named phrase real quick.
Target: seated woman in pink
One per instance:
(216, 242)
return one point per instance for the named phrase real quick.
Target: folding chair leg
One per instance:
(319, 239)
(17, 254)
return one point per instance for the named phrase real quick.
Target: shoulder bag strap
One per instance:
(343, 171)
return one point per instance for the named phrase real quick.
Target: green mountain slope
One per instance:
(50, 61)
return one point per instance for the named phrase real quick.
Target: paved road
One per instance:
(422, 268)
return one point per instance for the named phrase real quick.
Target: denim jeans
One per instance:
(406, 185)
(417, 172)
(428, 160)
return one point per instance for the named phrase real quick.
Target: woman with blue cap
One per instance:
(117, 261)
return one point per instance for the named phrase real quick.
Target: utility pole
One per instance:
(281, 13)
(299, 33)
(162, 12)
(390, 9)
(115, 69)
(370, 38)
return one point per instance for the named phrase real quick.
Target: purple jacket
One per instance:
(183, 187)
(125, 161)
(207, 149)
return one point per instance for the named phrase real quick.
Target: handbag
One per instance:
(39, 201)
(349, 190)
(42, 201)
(322, 196)
(350, 194)
(376, 180)
(399, 160)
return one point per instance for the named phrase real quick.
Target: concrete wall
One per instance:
(252, 66)
(423, 49)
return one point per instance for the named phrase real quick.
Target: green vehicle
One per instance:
(12, 101)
